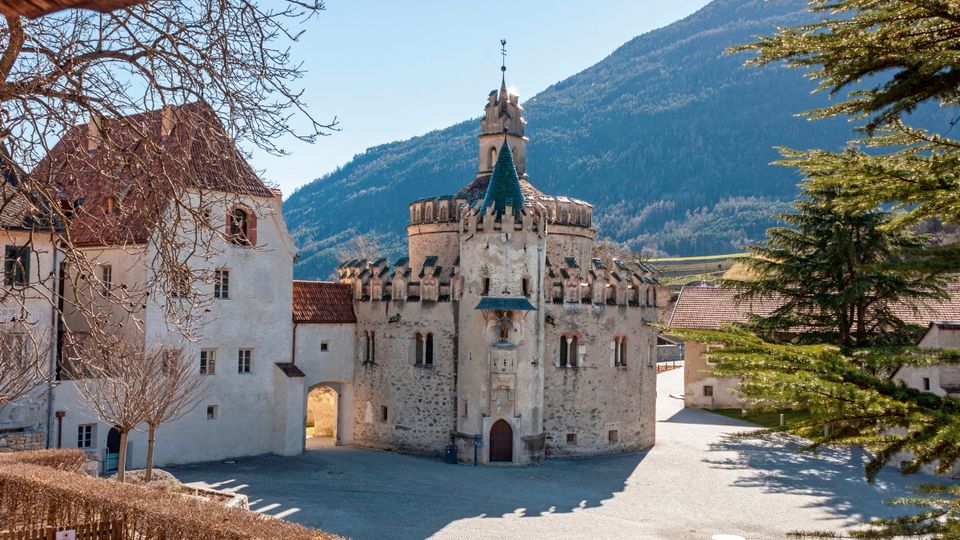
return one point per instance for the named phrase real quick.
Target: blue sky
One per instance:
(391, 70)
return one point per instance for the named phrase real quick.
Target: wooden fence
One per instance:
(107, 530)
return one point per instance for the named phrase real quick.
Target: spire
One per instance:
(504, 187)
(503, 97)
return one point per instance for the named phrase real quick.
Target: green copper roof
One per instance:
(519, 303)
(504, 186)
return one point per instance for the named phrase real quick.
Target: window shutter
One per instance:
(252, 228)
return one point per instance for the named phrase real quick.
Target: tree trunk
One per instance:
(148, 475)
(122, 459)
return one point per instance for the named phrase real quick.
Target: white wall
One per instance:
(333, 367)
(253, 409)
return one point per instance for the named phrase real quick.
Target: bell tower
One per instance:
(503, 116)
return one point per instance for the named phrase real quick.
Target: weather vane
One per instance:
(503, 54)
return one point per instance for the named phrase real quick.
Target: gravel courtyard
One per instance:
(695, 483)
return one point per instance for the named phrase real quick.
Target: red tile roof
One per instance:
(322, 302)
(140, 169)
(704, 307)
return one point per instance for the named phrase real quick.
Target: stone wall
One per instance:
(603, 408)
(419, 399)
(22, 441)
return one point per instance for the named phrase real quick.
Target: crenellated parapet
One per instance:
(567, 211)
(380, 281)
(612, 282)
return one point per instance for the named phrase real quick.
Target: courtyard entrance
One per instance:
(322, 410)
(501, 441)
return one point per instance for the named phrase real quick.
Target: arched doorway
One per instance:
(112, 458)
(322, 410)
(501, 441)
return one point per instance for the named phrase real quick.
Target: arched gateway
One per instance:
(501, 442)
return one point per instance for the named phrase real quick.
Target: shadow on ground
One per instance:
(835, 476)
(366, 494)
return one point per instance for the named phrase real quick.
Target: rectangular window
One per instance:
(383, 413)
(926, 383)
(85, 435)
(244, 360)
(16, 265)
(465, 409)
(564, 351)
(571, 439)
(708, 391)
(106, 278)
(208, 361)
(212, 412)
(613, 436)
(324, 346)
(484, 286)
(221, 284)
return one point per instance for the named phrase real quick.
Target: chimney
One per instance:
(278, 195)
(94, 132)
(166, 121)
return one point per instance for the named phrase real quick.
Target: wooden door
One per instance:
(501, 441)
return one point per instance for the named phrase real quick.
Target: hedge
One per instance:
(44, 490)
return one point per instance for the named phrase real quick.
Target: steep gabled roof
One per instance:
(322, 302)
(705, 307)
(140, 168)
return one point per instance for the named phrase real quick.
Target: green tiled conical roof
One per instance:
(504, 186)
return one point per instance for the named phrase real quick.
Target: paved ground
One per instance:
(695, 483)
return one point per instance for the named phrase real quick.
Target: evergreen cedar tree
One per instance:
(907, 52)
(841, 273)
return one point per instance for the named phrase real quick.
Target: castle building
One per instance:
(504, 330)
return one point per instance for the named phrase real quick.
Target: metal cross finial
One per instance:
(503, 54)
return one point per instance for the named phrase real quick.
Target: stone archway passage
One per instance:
(322, 411)
(501, 441)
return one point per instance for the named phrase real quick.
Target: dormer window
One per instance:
(242, 227)
(110, 205)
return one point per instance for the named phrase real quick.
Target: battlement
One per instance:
(613, 282)
(443, 209)
(566, 211)
(479, 220)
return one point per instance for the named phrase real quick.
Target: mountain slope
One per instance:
(669, 138)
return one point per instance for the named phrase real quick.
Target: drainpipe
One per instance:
(60, 415)
(293, 346)
(54, 345)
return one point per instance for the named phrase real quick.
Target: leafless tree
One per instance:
(132, 180)
(114, 377)
(175, 387)
(361, 246)
(23, 356)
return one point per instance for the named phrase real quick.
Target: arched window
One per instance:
(492, 157)
(418, 351)
(620, 351)
(241, 227)
(574, 351)
(428, 355)
(428, 211)
(564, 351)
(444, 213)
(370, 351)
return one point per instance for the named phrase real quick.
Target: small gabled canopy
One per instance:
(518, 303)
(504, 187)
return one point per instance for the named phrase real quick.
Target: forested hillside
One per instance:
(668, 137)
